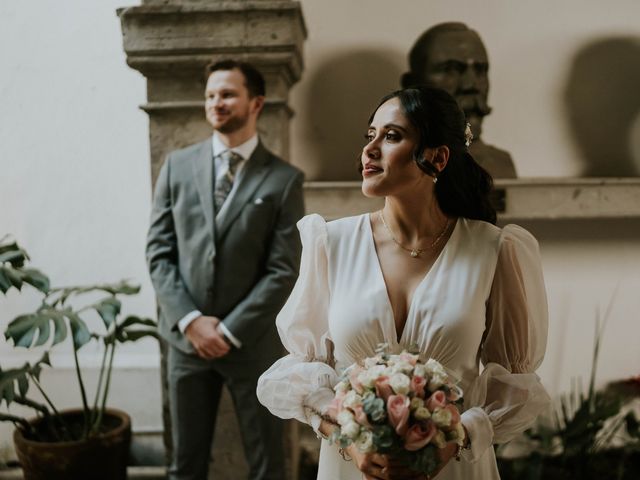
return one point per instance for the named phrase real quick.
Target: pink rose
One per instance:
(353, 378)
(419, 435)
(361, 417)
(417, 385)
(336, 405)
(383, 389)
(398, 411)
(437, 400)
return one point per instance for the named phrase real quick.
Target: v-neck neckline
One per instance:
(398, 338)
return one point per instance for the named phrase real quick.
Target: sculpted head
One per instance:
(451, 56)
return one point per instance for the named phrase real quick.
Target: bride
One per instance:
(430, 269)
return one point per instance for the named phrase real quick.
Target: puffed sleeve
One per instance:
(508, 395)
(299, 385)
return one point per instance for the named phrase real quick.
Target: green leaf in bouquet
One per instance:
(374, 407)
(424, 460)
(383, 437)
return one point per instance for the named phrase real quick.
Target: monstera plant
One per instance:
(61, 318)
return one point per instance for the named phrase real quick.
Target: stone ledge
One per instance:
(525, 199)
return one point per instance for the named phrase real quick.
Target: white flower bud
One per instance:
(416, 402)
(364, 442)
(439, 440)
(441, 417)
(345, 417)
(400, 383)
(352, 399)
(351, 430)
(422, 413)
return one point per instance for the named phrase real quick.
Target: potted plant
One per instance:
(592, 436)
(93, 440)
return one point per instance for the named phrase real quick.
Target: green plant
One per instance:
(57, 319)
(588, 436)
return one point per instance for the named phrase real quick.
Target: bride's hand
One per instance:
(444, 455)
(376, 466)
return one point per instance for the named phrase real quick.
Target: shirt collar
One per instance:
(245, 150)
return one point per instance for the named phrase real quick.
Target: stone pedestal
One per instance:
(170, 42)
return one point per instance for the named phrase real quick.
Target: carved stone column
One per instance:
(170, 42)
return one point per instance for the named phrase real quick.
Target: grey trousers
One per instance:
(195, 387)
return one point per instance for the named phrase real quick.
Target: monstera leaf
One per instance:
(15, 382)
(121, 288)
(134, 328)
(23, 330)
(13, 273)
(108, 309)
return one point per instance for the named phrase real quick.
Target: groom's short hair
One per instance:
(254, 81)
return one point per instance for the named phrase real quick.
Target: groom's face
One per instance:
(228, 105)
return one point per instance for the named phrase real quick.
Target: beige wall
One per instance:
(75, 184)
(356, 52)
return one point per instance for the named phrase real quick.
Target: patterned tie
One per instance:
(225, 183)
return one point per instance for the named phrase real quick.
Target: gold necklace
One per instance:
(415, 252)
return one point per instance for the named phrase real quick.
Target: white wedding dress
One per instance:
(483, 300)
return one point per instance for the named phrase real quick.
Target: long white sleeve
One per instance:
(508, 395)
(299, 385)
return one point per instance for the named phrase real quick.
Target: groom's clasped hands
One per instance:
(205, 337)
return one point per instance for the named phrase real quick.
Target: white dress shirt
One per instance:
(245, 150)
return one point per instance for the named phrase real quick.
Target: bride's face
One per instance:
(388, 167)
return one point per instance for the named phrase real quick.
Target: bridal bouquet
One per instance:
(396, 404)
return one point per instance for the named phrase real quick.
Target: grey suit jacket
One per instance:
(239, 268)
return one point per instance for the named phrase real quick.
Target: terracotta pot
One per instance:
(103, 457)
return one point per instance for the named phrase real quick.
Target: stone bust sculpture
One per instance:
(451, 56)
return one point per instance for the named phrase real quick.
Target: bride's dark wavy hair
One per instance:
(463, 186)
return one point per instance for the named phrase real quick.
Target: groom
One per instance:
(223, 253)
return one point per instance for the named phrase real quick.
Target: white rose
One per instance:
(437, 380)
(420, 370)
(434, 367)
(352, 399)
(370, 362)
(421, 413)
(369, 377)
(345, 417)
(351, 430)
(342, 386)
(403, 367)
(364, 442)
(416, 403)
(400, 383)
(439, 440)
(441, 417)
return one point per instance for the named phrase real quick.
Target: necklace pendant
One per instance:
(415, 253)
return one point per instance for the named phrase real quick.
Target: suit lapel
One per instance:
(203, 173)
(254, 173)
